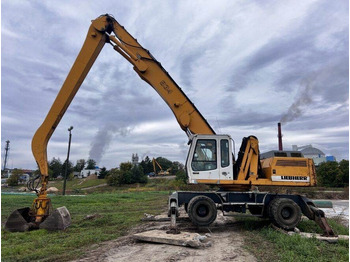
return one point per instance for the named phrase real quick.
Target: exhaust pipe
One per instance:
(280, 146)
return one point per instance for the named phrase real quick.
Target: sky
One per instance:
(246, 65)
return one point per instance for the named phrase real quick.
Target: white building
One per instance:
(87, 172)
(135, 159)
(316, 154)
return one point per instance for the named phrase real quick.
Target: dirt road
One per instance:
(226, 245)
(225, 237)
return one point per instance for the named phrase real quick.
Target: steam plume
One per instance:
(103, 138)
(304, 98)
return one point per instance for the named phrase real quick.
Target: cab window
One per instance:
(204, 157)
(225, 155)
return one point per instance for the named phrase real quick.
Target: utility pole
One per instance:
(7, 147)
(65, 173)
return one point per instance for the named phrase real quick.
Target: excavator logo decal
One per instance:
(166, 87)
(291, 178)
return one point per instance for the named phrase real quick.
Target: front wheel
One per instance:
(202, 211)
(284, 213)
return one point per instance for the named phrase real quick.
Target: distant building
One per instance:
(23, 178)
(87, 172)
(135, 159)
(316, 154)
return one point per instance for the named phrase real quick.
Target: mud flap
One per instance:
(19, 220)
(59, 220)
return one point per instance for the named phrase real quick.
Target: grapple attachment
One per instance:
(59, 220)
(19, 220)
(22, 220)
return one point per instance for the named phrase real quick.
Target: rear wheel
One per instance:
(284, 213)
(202, 211)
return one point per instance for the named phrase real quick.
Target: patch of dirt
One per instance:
(225, 237)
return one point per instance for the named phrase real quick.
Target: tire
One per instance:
(284, 213)
(202, 211)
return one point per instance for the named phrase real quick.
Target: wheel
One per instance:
(202, 211)
(284, 213)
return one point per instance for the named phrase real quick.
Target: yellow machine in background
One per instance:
(211, 157)
(161, 172)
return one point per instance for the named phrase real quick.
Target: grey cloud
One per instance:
(113, 99)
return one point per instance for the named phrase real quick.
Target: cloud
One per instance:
(243, 64)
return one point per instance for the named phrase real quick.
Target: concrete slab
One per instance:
(183, 239)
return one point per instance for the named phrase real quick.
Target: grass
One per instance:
(268, 244)
(122, 208)
(118, 212)
(77, 184)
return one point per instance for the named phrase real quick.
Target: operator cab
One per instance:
(210, 159)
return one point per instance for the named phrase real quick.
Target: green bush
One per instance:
(181, 175)
(333, 174)
(13, 180)
(127, 174)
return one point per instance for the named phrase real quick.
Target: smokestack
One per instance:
(280, 146)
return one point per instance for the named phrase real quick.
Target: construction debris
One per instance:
(161, 218)
(52, 190)
(311, 235)
(185, 239)
(320, 237)
(93, 216)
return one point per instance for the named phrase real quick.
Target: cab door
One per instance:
(202, 162)
(226, 169)
(209, 159)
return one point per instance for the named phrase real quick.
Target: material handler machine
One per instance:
(161, 172)
(210, 158)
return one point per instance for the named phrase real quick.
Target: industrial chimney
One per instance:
(280, 146)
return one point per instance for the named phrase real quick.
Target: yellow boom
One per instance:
(105, 29)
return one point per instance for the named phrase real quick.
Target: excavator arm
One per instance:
(151, 71)
(105, 29)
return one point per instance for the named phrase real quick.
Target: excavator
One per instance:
(210, 158)
(161, 172)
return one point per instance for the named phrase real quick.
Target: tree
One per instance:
(181, 175)
(14, 178)
(103, 173)
(177, 166)
(164, 163)
(114, 177)
(126, 174)
(91, 164)
(69, 168)
(333, 174)
(137, 175)
(80, 165)
(343, 179)
(56, 167)
(126, 166)
(147, 165)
